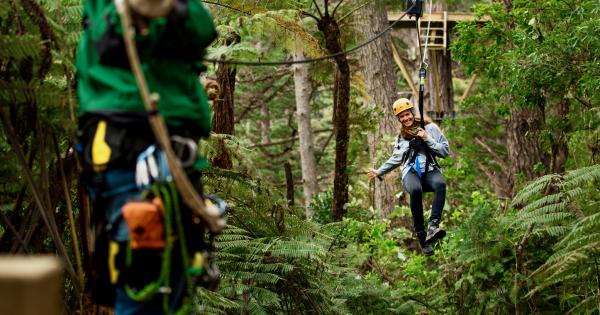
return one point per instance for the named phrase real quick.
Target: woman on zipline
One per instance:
(415, 149)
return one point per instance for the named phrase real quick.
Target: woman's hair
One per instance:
(412, 131)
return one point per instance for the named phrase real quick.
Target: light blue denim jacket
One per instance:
(437, 142)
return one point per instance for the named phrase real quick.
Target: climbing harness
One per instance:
(156, 223)
(416, 144)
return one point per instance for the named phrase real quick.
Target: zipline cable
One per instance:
(424, 65)
(291, 62)
(424, 52)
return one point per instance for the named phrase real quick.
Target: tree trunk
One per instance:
(289, 183)
(523, 140)
(522, 134)
(305, 133)
(265, 124)
(560, 145)
(378, 68)
(223, 116)
(341, 91)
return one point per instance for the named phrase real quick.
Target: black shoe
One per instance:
(426, 248)
(434, 232)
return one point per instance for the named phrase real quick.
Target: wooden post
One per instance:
(30, 285)
(436, 80)
(469, 87)
(402, 67)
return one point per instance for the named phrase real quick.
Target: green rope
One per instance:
(184, 249)
(151, 289)
(170, 198)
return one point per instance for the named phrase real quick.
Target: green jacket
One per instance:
(170, 53)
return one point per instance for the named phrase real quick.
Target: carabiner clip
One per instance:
(186, 150)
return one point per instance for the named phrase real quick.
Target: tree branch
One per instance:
(317, 7)
(324, 147)
(493, 178)
(519, 264)
(14, 231)
(69, 205)
(309, 15)
(495, 155)
(51, 225)
(227, 6)
(352, 11)
(336, 7)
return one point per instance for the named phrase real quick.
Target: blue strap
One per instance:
(417, 166)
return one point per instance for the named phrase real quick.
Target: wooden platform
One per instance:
(30, 285)
(452, 18)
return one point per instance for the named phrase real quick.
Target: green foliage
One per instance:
(566, 207)
(274, 262)
(321, 207)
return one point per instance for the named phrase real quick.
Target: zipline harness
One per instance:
(416, 10)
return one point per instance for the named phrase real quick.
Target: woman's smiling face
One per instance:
(406, 118)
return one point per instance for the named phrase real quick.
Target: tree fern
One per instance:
(534, 188)
(569, 211)
(19, 47)
(266, 248)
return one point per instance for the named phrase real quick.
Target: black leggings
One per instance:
(415, 186)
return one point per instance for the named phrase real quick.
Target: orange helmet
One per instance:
(401, 105)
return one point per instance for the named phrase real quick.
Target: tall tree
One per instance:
(378, 68)
(523, 128)
(303, 115)
(223, 115)
(328, 25)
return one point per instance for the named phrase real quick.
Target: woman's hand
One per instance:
(372, 173)
(421, 133)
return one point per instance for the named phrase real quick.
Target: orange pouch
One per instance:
(146, 224)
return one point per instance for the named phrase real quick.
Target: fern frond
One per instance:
(232, 288)
(256, 309)
(225, 238)
(574, 243)
(19, 92)
(575, 192)
(233, 229)
(266, 278)
(266, 297)
(587, 305)
(225, 256)
(214, 301)
(554, 231)
(292, 249)
(587, 224)
(4, 9)
(545, 200)
(19, 47)
(581, 176)
(548, 208)
(534, 188)
(547, 218)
